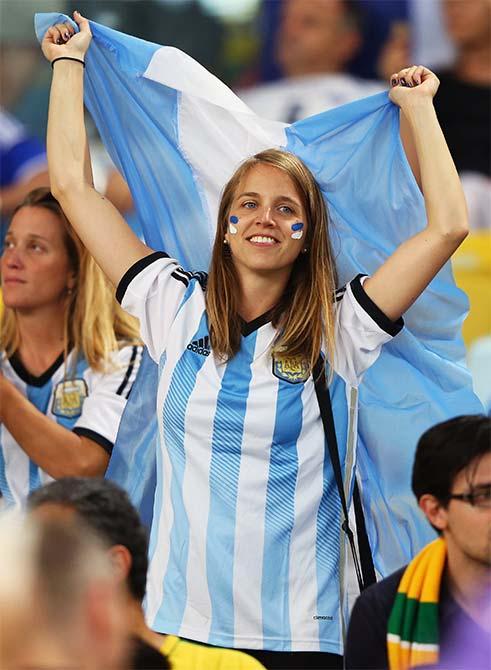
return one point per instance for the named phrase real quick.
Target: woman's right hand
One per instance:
(61, 40)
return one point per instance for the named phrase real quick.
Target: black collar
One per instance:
(248, 327)
(30, 379)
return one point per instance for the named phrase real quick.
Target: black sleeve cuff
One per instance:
(95, 437)
(134, 270)
(383, 321)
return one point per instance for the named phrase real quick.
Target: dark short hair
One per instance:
(107, 509)
(445, 450)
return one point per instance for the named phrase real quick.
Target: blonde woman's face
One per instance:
(266, 227)
(35, 267)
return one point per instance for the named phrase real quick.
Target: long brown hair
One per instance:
(94, 323)
(305, 314)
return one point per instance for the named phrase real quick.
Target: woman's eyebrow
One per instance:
(38, 237)
(249, 194)
(284, 198)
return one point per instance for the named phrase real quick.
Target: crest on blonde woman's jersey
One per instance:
(68, 398)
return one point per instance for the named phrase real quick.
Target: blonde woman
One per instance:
(245, 547)
(69, 353)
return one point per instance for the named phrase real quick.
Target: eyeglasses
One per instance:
(478, 497)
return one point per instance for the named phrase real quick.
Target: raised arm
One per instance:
(98, 223)
(403, 277)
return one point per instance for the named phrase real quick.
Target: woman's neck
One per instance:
(41, 337)
(260, 293)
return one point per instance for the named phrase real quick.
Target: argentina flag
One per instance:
(177, 134)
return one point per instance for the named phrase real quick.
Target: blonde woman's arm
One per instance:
(98, 223)
(54, 448)
(82, 449)
(403, 277)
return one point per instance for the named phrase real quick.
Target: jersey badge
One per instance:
(293, 370)
(69, 397)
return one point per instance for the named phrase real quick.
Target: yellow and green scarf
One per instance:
(412, 637)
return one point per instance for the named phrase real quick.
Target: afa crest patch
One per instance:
(68, 398)
(294, 370)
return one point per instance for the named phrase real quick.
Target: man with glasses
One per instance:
(437, 611)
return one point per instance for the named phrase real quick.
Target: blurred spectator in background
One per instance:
(463, 103)
(464, 100)
(316, 41)
(69, 353)
(185, 24)
(437, 610)
(60, 606)
(107, 510)
(23, 166)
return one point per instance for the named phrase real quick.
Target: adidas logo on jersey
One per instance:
(201, 346)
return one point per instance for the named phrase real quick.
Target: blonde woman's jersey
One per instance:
(246, 546)
(87, 401)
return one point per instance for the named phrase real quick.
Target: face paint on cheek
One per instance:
(231, 228)
(297, 233)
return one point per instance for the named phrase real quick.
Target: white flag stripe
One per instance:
(174, 68)
(214, 142)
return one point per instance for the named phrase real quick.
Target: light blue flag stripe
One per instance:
(157, 462)
(357, 158)
(419, 378)
(174, 418)
(131, 110)
(139, 456)
(280, 514)
(228, 427)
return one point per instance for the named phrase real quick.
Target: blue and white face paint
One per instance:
(297, 229)
(232, 229)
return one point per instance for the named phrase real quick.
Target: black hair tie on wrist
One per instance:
(77, 60)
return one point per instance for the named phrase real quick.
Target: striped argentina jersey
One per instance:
(89, 402)
(245, 540)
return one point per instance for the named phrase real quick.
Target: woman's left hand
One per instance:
(412, 84)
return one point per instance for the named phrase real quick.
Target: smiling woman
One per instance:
(68, 360)
(270, 270)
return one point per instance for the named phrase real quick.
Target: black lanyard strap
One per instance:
(325, 407)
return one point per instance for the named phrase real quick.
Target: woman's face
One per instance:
(267, 224)
(35, 266)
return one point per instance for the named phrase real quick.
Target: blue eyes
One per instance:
(284, 209)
